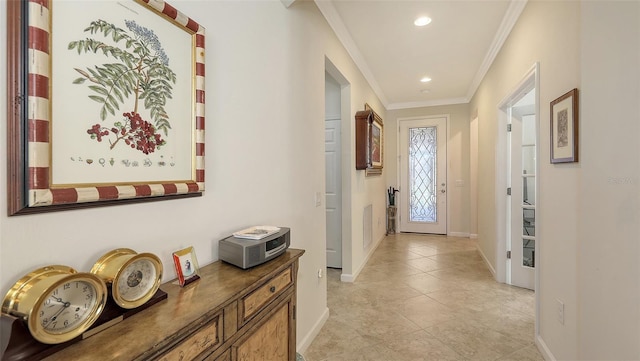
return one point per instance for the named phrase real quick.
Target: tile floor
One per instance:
(424, 297)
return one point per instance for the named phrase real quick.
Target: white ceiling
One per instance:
(455, 50)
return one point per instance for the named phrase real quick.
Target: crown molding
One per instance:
(335, 22)
(287, 3)
(508, 22)
(427, 103)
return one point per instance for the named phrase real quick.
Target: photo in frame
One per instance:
(564, 128)
(186, 265)
(376, 143)
(115, 115)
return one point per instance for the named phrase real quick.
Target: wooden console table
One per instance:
(229, 314)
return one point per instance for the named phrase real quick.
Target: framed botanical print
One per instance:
(114, 115)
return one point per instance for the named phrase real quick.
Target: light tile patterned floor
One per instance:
(424, 297)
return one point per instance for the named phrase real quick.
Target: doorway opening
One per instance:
(333, 172)
(521, 199)
(517, 168)
(337, 171)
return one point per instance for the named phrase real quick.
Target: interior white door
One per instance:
(521, 208)
(333, 192)
(423, 175)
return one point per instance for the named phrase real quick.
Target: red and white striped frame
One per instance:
(38, 180)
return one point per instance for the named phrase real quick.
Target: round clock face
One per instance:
(134, 277)
(137, 280)
(57, 303)
(67, 307)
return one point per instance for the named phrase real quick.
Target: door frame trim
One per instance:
(346, 143)
(530, 80)
(448, 122)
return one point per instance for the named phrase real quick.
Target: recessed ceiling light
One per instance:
(422, 21)
(426, 79)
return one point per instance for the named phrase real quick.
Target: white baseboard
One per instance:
(306, 341)
(473, 236)
(458, 234)
(486, 261)
(346, 277)
(544, 350)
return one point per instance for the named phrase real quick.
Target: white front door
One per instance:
(521, 207)
(333, 192)
(423, 175)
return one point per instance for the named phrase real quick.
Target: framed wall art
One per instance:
(564, 128)
(114, 115)
(369, 141)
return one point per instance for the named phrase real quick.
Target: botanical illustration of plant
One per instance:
(139, 74)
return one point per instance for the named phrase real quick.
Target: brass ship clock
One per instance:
(134, 277)
(57, 303)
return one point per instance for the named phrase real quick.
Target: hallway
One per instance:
(425, 297)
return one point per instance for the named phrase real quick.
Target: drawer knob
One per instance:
(272, 289)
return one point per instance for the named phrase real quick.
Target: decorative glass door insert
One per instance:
(422, 174)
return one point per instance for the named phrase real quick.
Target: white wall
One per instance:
(332, 98)
(457, 153)
(547, 32)
(264, 156)
(609, 229)
(587, 211)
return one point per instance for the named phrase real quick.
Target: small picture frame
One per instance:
(564, 128)
(186, 265)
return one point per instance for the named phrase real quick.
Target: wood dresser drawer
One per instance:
(207, 338)
(255, 301)
(269, 341)
(226, 356)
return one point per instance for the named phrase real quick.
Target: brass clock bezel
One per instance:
(110, 266)
(29, 293)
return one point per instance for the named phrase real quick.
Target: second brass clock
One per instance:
(134, 277)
